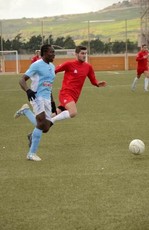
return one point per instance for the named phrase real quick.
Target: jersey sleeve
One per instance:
(139, 57)
(32, 70)
(33, 59)
(61, 67)
(92, 76)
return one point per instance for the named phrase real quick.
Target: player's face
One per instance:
(50, 55)
(144, 48)
(81, 56)
(38, 53)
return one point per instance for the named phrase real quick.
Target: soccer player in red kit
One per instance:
(142, 67)
(36, 57)
(75, 73)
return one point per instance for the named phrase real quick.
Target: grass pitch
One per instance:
(87, 179)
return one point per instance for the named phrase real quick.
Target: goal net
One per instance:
(9, 61)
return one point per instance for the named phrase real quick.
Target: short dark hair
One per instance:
(144, 45)
(79, 48)
(44, 49)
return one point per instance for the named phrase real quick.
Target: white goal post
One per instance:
(9, 62)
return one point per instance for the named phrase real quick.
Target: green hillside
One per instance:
(77, 26)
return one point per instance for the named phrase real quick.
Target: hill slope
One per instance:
(106, 24)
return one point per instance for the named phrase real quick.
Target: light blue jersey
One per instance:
(42, 76)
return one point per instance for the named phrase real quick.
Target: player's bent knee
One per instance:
(47, 126)
(45, 130)
(40, 126)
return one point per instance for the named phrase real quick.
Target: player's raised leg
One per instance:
(25, 111)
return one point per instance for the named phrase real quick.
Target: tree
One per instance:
(34, 43)
(131, 46)
(16, 44)
(96, 46)
(7, 44)
(84, 43)
(50, 40)
(59, 41)
(69, 43)
(118, 47)
(107, 47)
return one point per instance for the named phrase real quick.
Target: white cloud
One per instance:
(36, 8)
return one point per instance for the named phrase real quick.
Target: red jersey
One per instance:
(75, 73)
(142, 59)
(35, 58)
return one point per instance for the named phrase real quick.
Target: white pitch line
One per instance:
(111, 72)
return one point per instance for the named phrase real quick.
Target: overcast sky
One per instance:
(10, 9)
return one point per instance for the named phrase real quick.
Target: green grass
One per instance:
(87, 179)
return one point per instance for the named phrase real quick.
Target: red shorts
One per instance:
(141, 70)
(65, 98)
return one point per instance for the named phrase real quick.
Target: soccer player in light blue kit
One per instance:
(42, 75)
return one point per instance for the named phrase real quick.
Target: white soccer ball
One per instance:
(136, 147)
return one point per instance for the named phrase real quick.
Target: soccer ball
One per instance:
(136, 147)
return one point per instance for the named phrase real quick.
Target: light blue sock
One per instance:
(30, 115)
(36, 136)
